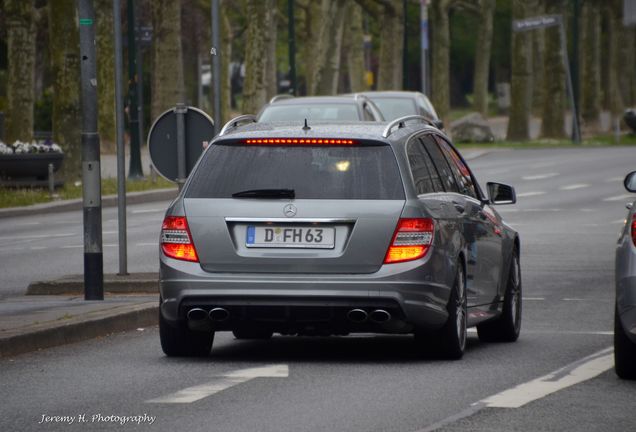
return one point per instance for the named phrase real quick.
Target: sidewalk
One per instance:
(31, 323)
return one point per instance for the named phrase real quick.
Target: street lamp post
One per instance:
(91, 175)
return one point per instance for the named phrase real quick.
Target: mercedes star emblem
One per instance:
(290, 210)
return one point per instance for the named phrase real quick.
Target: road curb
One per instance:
(134, 283)
(87, 326)
(77, 204)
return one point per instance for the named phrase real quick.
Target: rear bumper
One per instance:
(288, 302)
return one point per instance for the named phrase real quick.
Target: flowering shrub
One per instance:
(20, 147)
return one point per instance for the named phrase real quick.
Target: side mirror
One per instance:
(500, 193)
(630, 181)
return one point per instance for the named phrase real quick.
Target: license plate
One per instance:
(308, 237)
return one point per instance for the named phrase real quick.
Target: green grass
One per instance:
(12, 197)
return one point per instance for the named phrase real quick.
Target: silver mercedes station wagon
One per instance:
(338, 228)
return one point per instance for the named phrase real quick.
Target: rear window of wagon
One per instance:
(313, 172)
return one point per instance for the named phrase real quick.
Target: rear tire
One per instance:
(183, 342)
(252, 333)
(450, 341)
(506, 328)
(624, 351)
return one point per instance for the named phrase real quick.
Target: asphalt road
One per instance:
(45, 247)
(570, 209)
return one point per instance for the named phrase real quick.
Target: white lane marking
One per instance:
(38, 247)
(154, 210)
(38, 237)
(478, 406)
(71, 246)
(529, 194)
(533, 298)
(614, 179)
(540, 176)
(543, 165)
(625, 197)
(571, 332)
(619, 221)
(110, 232)
(575, 373)
(586, 210)
(574, 186)
(222, 382)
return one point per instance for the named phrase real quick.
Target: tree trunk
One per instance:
(627, 57)
(65, 68)
(391, 46)
(615, 28)
(326, 69)
(482, 56)
(271, 71)
(590, 55)
(355, 49)
(554, 101)
(538, 61)
(105, 74)
(21, 58)
(440, 57)
(226, 57)
(308, 37)
(521, 79)
(255, 86)
(167, 59)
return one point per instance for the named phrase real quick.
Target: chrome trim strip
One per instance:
(288, 220)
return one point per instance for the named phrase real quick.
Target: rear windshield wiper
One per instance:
(265, 193)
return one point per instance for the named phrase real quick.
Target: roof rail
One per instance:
(280, 96)
(399, 122)
(232, 124)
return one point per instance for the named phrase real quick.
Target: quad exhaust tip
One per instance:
(197, 314)
(380, 316)
(357, 315)
(219, 314)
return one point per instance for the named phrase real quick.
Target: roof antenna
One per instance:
(306, 127)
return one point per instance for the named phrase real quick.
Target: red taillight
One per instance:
(299, 141)
(176, 241)
(634, 229)
(412, 240)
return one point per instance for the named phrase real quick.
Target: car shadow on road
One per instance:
(353, 349)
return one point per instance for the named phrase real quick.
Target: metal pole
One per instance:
(575, 53)
(181, 110)
(216, 65)
(424, 46)
(291, 41)
(135, 172)
(91, 177)
(199, 82)
(121, 150)
(405, 49)
(576, 133)
(140, 93)
(51, 179)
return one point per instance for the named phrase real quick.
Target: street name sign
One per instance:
(536, 23)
